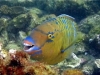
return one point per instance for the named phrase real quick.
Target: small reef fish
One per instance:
(52, 41)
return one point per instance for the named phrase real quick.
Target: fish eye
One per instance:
(49, 36)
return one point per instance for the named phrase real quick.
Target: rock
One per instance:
(21, 21)
(4, 34)
(97, 62)
(36, 11)
(88, 67)
(3, 23)
(88, 70)
(11, 11)
(22, 35)
(90, 25)
(95, 43)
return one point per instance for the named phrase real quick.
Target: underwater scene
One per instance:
(49, 37)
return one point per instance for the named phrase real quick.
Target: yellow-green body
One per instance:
(57, 46)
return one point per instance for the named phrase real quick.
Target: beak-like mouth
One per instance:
(31, 49)
(28, 47)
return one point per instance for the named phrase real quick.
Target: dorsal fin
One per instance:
(60, 16)
(64, 15)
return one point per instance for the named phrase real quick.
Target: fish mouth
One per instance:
(32, 49)
(28, 47)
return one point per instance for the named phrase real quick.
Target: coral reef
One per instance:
(18, 63)
(19, 17)
(15, 62)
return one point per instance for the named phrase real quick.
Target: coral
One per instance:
(72, 72)
(19, 63)
(75, 62)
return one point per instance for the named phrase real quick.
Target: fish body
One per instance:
(52, 41)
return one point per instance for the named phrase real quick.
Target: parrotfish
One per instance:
(53, 40)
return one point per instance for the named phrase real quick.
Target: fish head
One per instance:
(38, 39)
(35, 41)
